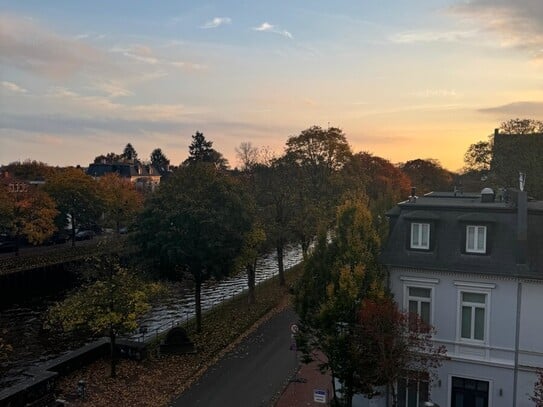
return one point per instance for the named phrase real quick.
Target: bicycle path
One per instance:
(253, 374)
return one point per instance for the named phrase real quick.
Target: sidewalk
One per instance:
(299, 392)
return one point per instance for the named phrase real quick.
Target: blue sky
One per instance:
(403, 79)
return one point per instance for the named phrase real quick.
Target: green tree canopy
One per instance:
(77, 197)
(108, 306)
(521, 126)
(121, 201)
(28, 170)
(478, 156)
(337, 277)
(427, 175)
(274, 192)
(315, 158)
(159, 161)
(196, 223)
(129, 152)
(201, 150)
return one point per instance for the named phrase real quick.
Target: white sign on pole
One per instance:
(319, 396)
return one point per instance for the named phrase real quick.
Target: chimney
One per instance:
(487, 195)
(413, 197)
(522, 227)
(496, 132)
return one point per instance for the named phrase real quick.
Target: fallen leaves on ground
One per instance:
(159, 379)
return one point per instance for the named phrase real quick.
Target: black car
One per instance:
(85, 235)
(59, 237)
(7, 244)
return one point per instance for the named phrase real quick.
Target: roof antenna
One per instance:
(521, 180)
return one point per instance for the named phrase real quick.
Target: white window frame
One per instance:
(476, 231)
(430, 299)
(475, 288)
(418, 226)
(407, 382)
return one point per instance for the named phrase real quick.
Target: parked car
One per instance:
(85, 235)
(59, 237)
(7, 243)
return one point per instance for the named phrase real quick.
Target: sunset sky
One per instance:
(404, 79)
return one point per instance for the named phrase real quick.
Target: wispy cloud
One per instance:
(408, 37)
(112, 89)
(267, 27)
(145, 55)
(516, 109)
(433, 93)
(13, 87)
(517, 23)
(217, 22)
(26, 45)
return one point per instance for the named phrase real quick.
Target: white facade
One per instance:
(492, 328)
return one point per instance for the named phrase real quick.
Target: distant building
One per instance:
(472, 266)
(144, 176)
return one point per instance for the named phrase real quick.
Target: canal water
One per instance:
(21, 325)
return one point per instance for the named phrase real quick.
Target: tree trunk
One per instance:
(348, 394)
(198, 303)
(305, 248)
(394, 395)
(334, 391)
(113, 353)
(251, 282)
(73, 229)
(280, 265)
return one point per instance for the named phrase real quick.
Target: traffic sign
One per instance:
(319, 396)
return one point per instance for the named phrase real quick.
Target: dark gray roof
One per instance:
(125, 170)
(448, 216)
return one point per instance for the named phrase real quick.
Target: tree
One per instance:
(121, 200)
(319, 148)
(336, 278)
(129, 153)
(521, 126)
(392, 345)
(35, 214)
(159, 161)
(274, 195)
(30, 214)
(383, 183)
(427, 175)
(195, 224)
(248, 155)
(537, 397)
(77, 198)
(109, 306)
(7, 209)
(315, 157)
(201, 150)
(28, 170)
(252, 246)
(478, 156)
(5, 349)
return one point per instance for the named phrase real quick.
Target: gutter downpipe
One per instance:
(522, 240)
(517, 336)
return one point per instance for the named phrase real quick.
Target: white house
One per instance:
(472, 266)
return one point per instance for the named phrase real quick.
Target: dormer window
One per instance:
(475, 239)
(420, 236)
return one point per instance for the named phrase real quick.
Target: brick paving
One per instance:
(299, 391)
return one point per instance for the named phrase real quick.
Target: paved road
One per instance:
(252, 374)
